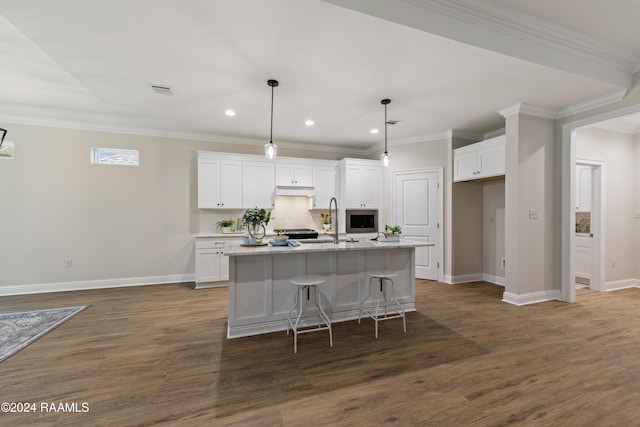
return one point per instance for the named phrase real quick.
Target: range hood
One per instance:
(290, 190)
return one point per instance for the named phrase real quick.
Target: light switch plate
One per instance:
(533, 214)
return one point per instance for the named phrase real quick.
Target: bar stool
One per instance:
(383, 276)
(302, 283)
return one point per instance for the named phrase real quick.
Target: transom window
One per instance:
(115, 156)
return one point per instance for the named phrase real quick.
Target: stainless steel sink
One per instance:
(320, 240)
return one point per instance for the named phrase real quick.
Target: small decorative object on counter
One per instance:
(226, 225)
(391, 234)
(255, 219)
(393, 229)
(326, 224)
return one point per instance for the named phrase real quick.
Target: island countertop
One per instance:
(235, 249)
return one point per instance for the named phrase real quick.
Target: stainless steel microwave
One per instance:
(361, 221)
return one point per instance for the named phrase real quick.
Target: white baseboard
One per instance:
(41, 288)
(621, 284)
(496, 280)
(464, 278)
(531, 298)
(476, 277)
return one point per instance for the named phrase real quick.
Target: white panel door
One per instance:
(416, 210)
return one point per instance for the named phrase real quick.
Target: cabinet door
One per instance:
(353, 186)
(294, 175)
(284, 174)
(230, 184)
(370, 190)
(491, 161)
(208, 184)
(224, 267)
(258, 184)
(324, 183)
(208, 265)
(464, 165)
(583, 188)
(303, 175)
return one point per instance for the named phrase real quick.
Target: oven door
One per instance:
(362, 221)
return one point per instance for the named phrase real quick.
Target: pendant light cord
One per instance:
(271, 133)
(385, 128)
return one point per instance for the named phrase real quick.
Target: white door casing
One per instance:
(417, 208)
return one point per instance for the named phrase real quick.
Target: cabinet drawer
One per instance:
(209, 244)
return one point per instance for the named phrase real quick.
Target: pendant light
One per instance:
(3, 132)
(271, 149)
(385, 158)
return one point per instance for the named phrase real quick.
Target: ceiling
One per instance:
(446, 65)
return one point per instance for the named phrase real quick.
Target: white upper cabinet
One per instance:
(242, 181)
(360, 184)
(294, 175)
(258, 184)
(484, 159)
(325, 186)
(583, 188)
(219, 183)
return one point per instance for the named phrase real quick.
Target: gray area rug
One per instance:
(18, 330)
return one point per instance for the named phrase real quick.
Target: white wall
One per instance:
(618, 151)
(493, 229)
(114, 222)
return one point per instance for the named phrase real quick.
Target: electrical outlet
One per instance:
(533, 214)
(637, 214)
(613, 263)
(503, 263)
(68, 263)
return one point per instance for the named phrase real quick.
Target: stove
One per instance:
(298, 233)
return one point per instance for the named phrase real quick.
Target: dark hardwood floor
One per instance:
(158, 355)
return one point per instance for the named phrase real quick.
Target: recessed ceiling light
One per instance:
(373, 130)
(309, 122)
(230, 113)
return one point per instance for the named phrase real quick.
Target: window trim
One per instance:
(97, 152)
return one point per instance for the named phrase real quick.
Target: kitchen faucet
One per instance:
(335, 226)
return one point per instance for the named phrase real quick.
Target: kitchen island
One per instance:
(260, 295)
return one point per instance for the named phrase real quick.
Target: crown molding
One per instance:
(95, 122)
(529, 110)
(480, 24)
(591, 104)
(618, 127)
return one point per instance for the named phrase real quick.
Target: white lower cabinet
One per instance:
(212, 266)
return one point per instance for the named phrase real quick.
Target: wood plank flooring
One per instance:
(158, 356)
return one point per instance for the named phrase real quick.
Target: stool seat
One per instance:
(307, 282)
(382, 276)
(382, 273)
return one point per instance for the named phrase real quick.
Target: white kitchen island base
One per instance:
(260, 294)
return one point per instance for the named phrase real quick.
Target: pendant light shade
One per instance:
(271, 149)
(385, 158)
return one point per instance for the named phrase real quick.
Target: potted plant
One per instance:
(226, 225)
(393, 229)
(254, 220)
(326, 224)
(391, 233)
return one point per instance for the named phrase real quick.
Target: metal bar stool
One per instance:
(383, 276)
(307, 282)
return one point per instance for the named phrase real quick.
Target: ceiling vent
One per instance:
(162, 90)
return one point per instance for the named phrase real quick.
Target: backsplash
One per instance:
(289, 212)
(293, 212)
